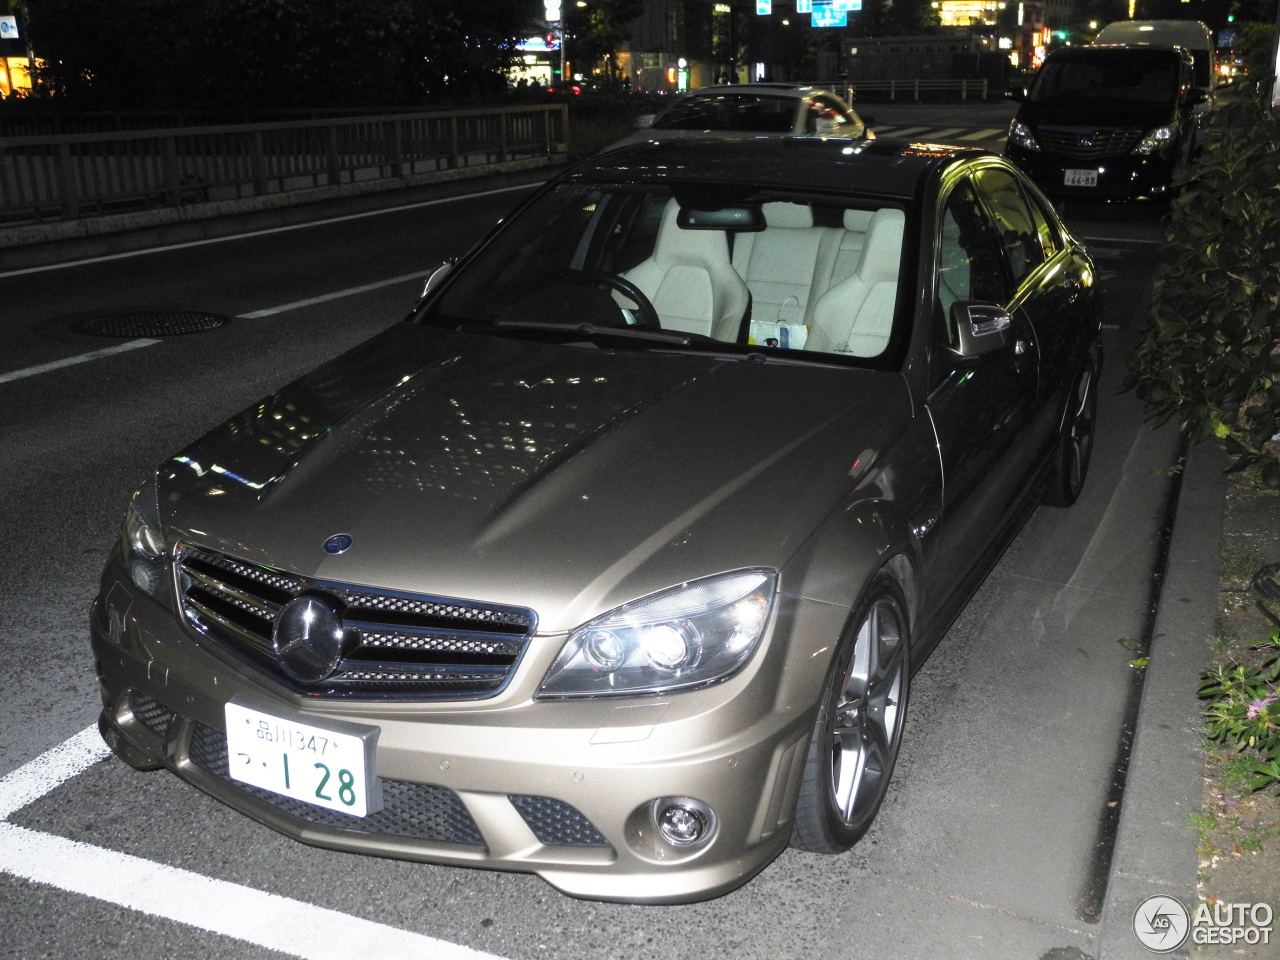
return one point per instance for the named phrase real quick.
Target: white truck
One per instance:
(1192, 34)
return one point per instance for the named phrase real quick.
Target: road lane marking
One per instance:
(989, 134)
(73, 361)
(263, 919)
(420, 276)
(264, 232)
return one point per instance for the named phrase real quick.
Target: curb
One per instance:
(1155, 849)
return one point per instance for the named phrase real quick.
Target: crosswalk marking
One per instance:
(990, 136)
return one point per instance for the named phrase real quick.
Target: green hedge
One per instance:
(1209, 353)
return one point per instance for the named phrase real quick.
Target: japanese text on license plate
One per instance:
(316, 764)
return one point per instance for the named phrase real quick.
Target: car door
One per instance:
(1045, 291)
(982, 407)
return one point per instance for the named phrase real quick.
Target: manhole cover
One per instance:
(150, 323)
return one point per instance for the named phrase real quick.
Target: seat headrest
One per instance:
(857, 220)
(794, 216)
(883, 252)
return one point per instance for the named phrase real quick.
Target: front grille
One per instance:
(152, 714)
(1087, 143)
(413, 810)
(393, 644)
(556, 823)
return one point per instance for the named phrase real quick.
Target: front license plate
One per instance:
(1080, 178)
(328, 765)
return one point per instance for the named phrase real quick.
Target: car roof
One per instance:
(881, 168)
(795, 90)
(1113, 49)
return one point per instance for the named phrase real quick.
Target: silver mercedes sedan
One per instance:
(612, 563)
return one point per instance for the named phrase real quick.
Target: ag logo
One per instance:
(1161, 923)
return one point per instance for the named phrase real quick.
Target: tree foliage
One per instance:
(272, 53)
(1209, 352)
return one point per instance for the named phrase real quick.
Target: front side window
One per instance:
(1015, 223)
(969, 258)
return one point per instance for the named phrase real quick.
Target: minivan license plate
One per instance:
(1080, 178)
(326, 765)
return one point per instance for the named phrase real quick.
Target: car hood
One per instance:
(565, 478)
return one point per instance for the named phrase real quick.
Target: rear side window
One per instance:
(731, 111)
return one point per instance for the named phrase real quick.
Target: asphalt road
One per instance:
(988, 845)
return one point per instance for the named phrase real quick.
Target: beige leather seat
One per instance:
(855, 315)
(779, 265)
(690, 280)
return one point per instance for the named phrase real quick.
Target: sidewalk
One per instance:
(1155, 849)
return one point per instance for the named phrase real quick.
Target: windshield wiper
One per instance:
(655, 334)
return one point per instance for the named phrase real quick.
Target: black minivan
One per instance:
(1107, 122)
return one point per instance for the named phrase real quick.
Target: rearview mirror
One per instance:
(981, 328)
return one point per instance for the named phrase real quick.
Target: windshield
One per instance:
(1113, 76)
(698, 266)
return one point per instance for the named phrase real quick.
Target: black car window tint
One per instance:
(969, 260)
(1015, 224)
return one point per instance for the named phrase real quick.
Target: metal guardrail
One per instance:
(73, 176)
(931, 89)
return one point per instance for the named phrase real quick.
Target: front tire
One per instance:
(859, 727)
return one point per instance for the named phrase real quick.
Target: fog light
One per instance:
(683, 822)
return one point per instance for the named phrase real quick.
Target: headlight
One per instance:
(141, 543)
(688, 636)
(1157, 139)
(1021, 134)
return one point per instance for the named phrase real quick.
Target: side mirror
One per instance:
(981, 328)
(437, 276)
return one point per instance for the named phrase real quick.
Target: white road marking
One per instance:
(73, 361)
(986, 134)
(264, 232)
(229, 909)
(419, 275)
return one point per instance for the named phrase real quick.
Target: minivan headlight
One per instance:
(142, 544)
(1021, 135)
(690, 635)
(1157, 139)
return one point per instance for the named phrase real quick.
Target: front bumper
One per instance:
(1123, 177)
(565, 790)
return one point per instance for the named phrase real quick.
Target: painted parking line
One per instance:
(263, 919)
(419, 276)
(73, 361)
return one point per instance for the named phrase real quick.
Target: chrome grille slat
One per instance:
(394, 644)
(258, 642)
(263, 608)
(1069, 141)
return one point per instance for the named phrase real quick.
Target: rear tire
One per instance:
(1075, 446)
(859, 727)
